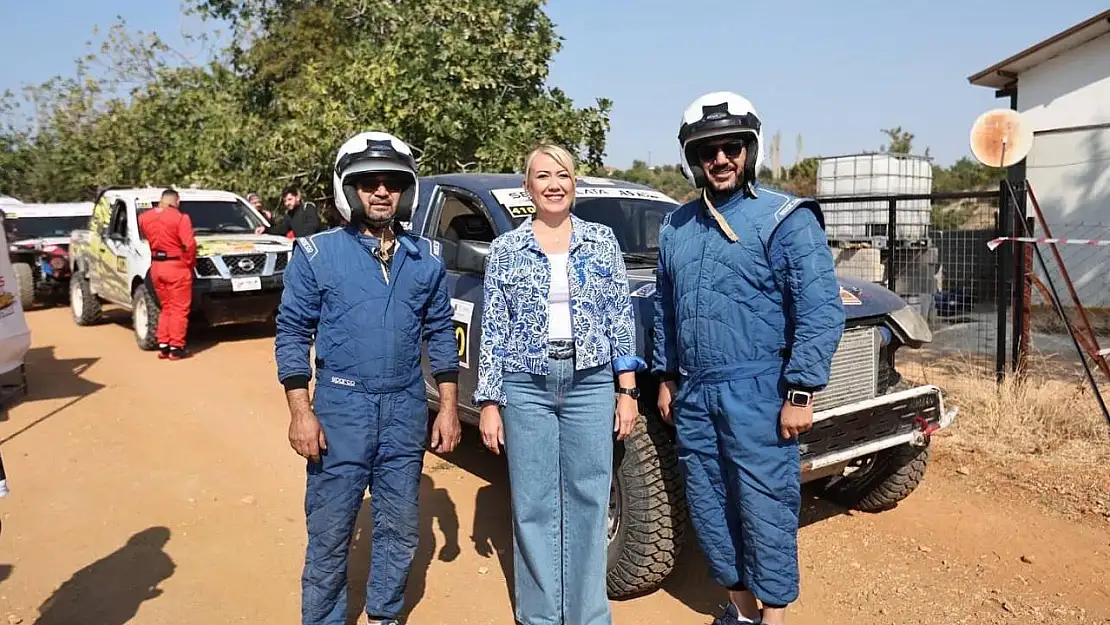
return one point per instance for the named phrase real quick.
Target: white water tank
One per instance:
(882, 175)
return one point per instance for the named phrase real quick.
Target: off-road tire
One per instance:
(84, 305)
(652, 511)
(892, 476)
(145, 324)
(25, 279)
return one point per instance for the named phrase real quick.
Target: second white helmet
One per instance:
(717, 114)
(372, 152)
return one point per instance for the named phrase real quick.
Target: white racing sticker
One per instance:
(462, 313)
(516, 199)
(847, 298)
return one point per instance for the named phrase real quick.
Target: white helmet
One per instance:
(371, 152)
(713, 115)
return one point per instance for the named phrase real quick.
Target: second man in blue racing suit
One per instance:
(747, 318)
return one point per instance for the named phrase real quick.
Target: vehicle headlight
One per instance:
(912, 324)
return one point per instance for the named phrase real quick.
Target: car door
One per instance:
(115, 256)
(457, 215)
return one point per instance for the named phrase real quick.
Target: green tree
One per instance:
(463, 81)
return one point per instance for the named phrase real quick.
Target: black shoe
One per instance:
(732, 617)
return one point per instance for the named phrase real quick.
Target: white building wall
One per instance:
(1068, 167)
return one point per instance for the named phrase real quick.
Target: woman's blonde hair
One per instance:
(564, 158)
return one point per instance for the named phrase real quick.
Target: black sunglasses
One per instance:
(731, 149)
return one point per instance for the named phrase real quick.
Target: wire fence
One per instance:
(937, 261)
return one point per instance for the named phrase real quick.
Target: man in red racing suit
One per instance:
(173, 255)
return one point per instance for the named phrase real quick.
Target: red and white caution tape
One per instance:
(994, 243)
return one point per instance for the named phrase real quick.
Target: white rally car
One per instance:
(238, 276)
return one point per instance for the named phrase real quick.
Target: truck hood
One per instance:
(220, 244)
(861, 298)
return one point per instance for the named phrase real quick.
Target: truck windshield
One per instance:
(635, 222)
(212, 217)
(43, 227)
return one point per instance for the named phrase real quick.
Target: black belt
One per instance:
(157, 256)
(560, 350)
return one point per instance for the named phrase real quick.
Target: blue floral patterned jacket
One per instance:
(515, 318)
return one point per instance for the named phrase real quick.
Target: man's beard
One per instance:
(720, 195)
(378, 222)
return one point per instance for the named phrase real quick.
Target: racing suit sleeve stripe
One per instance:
(495, 333)
(664, 350)
(439, 332)
(298, 315)
(622, 322)
(800, 253)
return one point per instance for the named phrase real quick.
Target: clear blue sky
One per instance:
(834, 72)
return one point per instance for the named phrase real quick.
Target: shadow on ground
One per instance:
(111, 590)
(492, 533)
(51, 378)
(200, 337)
(689, 582)
(203, 338)
(436, 508)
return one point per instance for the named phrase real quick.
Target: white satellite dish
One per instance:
(1001, 138)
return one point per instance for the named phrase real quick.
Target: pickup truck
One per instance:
(38, 245)
(238, 275)
(870, 441)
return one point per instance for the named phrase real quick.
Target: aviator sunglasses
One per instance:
(731, 149)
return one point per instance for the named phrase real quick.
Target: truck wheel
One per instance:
(647, 511)
(144, 318)
(887, 478)
(83, 303)
(25, 278)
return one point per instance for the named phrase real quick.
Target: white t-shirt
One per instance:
(558, 300)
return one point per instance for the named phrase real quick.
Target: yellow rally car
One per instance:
(238, 275)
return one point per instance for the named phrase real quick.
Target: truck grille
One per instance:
(206, 268)
(245, 264)
(854, 373)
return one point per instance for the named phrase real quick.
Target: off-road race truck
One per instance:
(870, 441)
(38, 246)
(238, 276)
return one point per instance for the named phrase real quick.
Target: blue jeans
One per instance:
(559, 442)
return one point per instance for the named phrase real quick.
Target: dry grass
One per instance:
(1051, 414)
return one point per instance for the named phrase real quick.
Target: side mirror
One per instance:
(471, 256)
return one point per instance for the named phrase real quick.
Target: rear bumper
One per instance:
(218, 303)
(842, 434)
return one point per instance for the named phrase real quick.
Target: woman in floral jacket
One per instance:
(557, 332)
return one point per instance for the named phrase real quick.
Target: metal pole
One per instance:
(891, 238)
(1002, 293)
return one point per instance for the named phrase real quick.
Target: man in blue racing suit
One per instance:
(368, 293)
(747, 318)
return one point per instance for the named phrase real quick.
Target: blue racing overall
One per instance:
(368, 319)
(743, 311)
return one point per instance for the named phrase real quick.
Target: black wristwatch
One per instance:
(633, 392)
(799, 398)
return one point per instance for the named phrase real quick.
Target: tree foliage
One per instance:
(463, 81)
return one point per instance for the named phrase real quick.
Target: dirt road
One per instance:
(140, 501)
